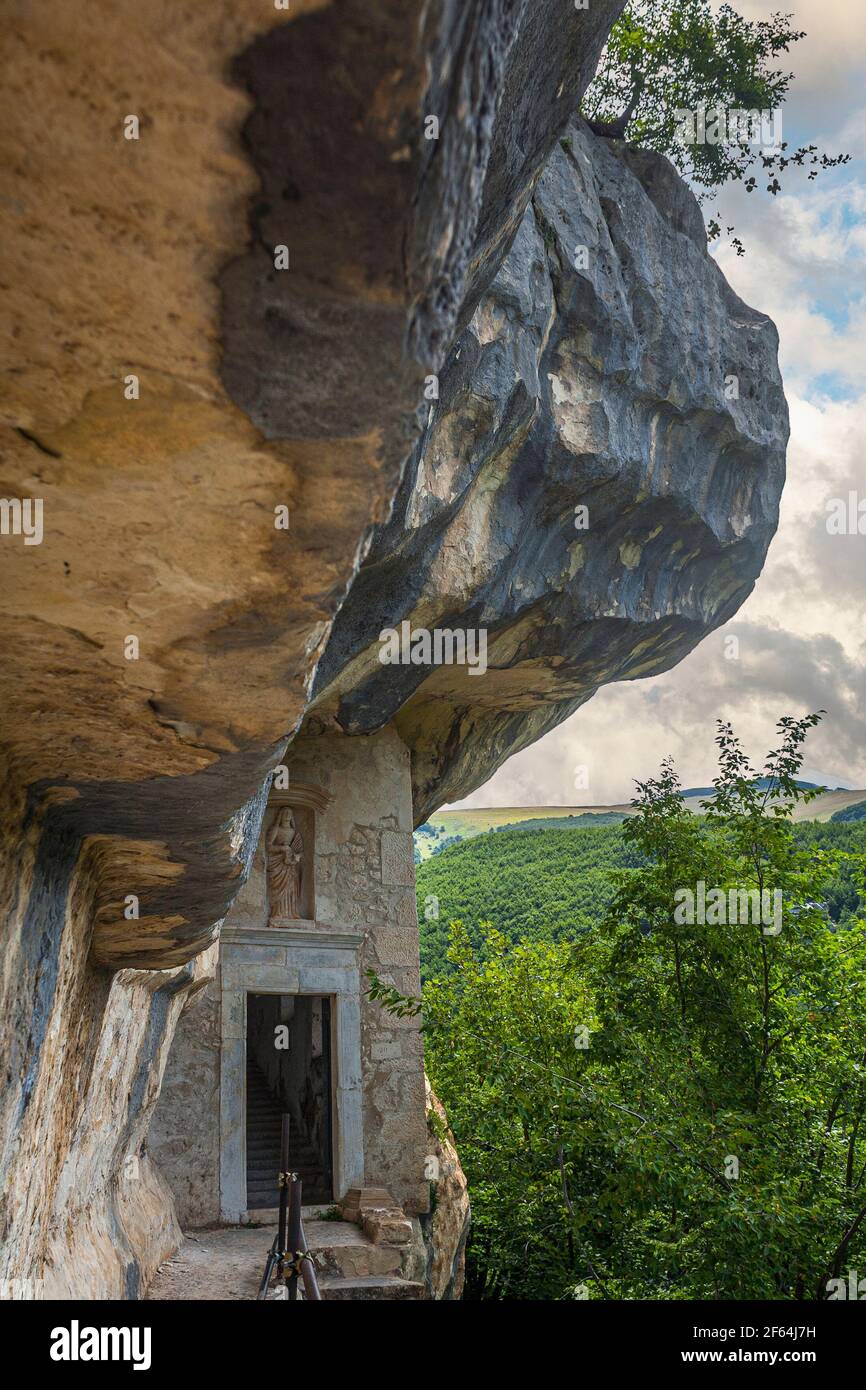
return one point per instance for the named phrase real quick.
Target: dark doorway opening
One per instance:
(288, 1069)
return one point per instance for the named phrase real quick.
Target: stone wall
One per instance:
(184, 1134)
(84, 1213)
(364, 886)
(365, 880)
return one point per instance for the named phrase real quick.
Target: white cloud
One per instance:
(828, 63)
(802, 631)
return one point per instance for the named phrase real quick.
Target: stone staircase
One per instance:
(350, 1266)
(263, 1149)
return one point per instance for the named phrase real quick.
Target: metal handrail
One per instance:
(290, 1253)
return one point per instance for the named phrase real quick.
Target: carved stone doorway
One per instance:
(288, 1069)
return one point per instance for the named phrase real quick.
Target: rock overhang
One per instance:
(132, 790)
(609, 367)
(449, 256)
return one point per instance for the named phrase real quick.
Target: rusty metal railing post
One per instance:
(312, 1292)
(293, 1247)
(289, 1252)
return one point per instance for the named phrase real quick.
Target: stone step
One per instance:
(261, 1143)
(261, 1154)
(382, 1287)
(298, 1158)
(269, 1215)
(227, 1263)
(265, 1184)
(305, 1157)
(265, 1181)
(264, 1198)
(342, 1250)
(259, 1205)
(263, 1212)
(269, 1173)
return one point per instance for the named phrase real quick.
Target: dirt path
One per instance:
(220, 1264)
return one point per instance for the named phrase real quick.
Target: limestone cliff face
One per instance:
(144, 779)
(609, 367)
(447, 1225)
(257, 388)
(154, 259)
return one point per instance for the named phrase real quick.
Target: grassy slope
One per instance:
(466, 824)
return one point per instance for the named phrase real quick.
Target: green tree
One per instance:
(544, 884)
(672, 1105)
(502, 1031)
(665, 57)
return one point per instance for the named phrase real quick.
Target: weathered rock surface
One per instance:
(155, 258)
(609, 366)
(258, 388)
(446, 1229)
(143, 779)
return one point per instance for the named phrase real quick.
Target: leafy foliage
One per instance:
(397, 1004)
(665, 56)
(551, 884)
(534, 884)
(660, 1109)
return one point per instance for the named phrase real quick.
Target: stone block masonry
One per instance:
(361, 868)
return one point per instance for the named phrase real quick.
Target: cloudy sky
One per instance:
(802, 634)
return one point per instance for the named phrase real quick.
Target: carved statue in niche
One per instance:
(285, 865)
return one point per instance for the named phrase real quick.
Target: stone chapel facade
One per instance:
(286, 1023)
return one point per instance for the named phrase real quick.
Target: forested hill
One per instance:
(533, 883)
(552, 883)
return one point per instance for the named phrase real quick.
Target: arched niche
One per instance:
(289, 830)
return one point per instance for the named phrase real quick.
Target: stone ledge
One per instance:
(307, 934)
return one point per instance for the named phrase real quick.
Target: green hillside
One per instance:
(552, 884)
(548, 884)
(446, 828)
